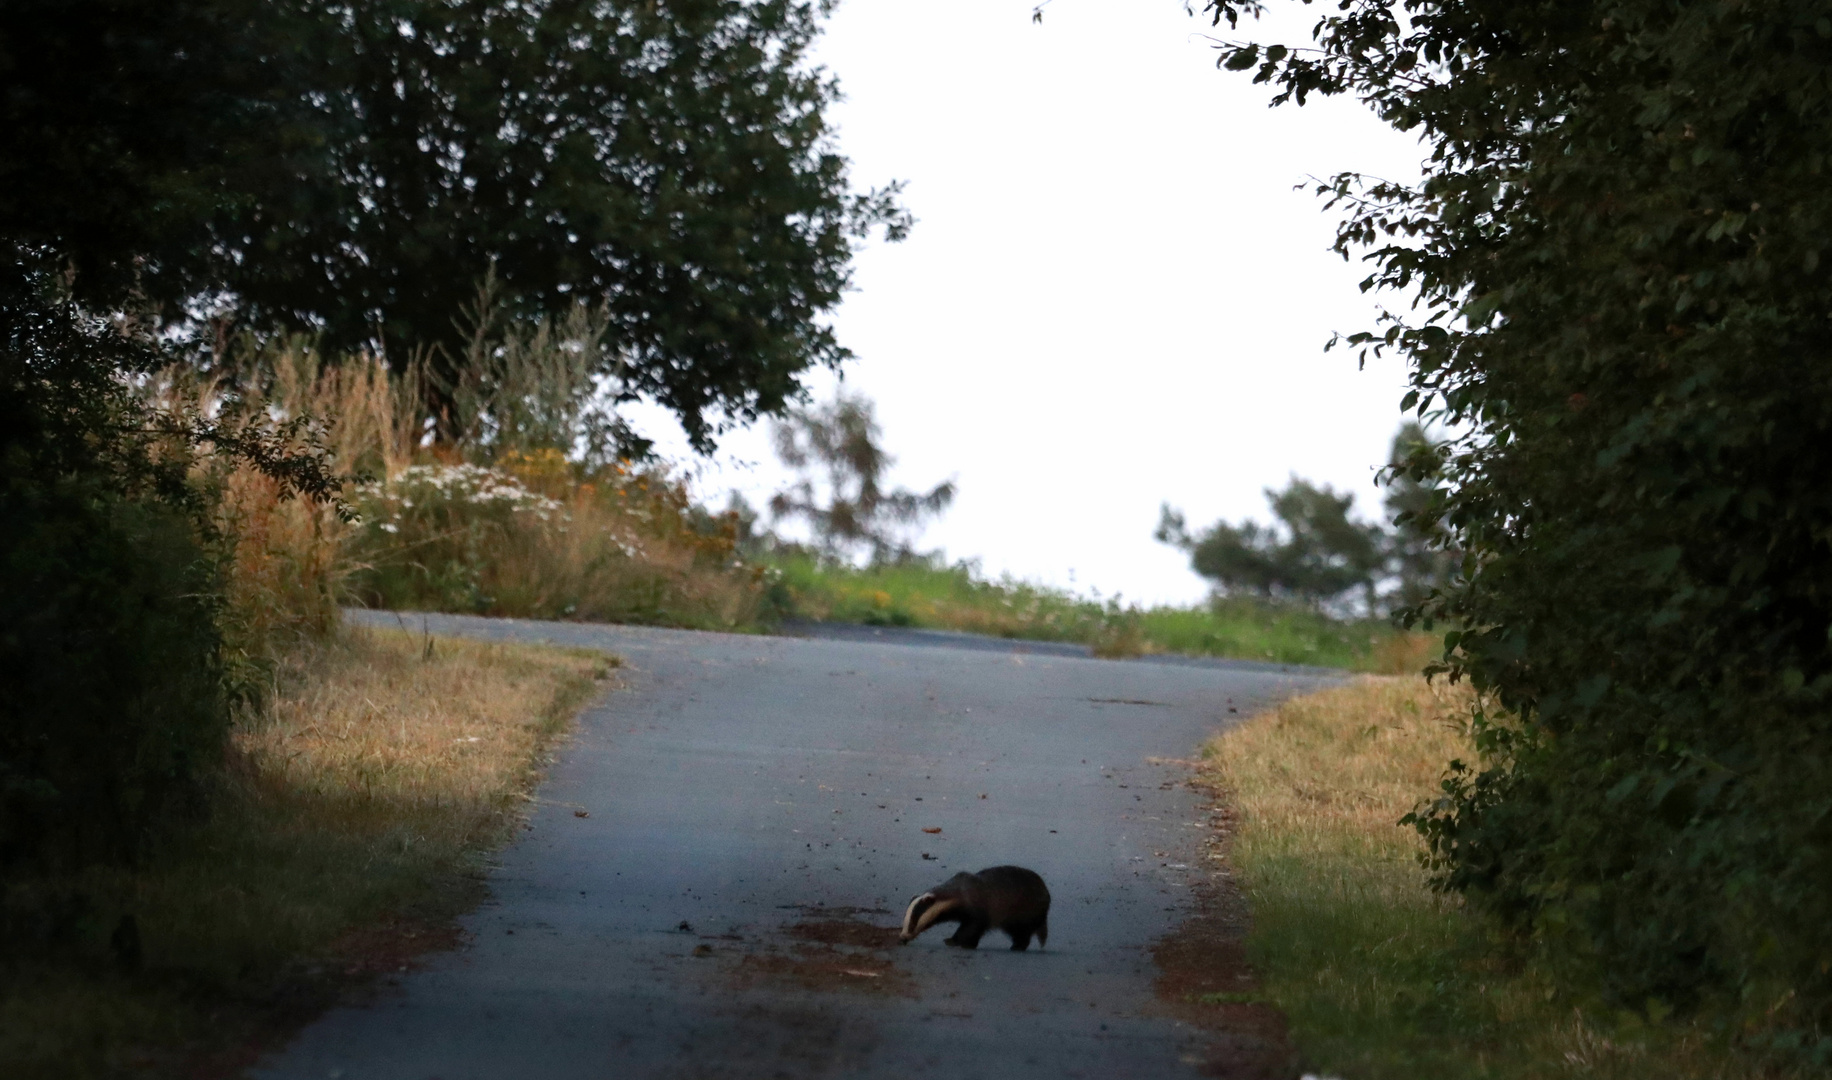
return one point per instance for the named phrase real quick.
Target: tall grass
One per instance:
(287, 568)
(534, 536)
(490, 528)
(1381, 978)
(923, 594)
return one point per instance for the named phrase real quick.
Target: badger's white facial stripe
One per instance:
(909, 915)
(933, 914)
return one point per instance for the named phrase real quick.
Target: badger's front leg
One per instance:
(968, 936)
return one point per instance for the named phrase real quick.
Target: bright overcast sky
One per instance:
(1113, 297)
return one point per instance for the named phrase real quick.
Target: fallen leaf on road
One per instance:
(862, 974)
(934, 830)
(582, 813)
(928, 856)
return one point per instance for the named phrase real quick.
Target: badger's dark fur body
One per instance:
(1008, 898)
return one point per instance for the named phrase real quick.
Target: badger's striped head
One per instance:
(924, 911)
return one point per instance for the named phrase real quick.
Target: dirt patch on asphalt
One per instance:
(845, 926)
(1205, 981)
(833, 950)
(392, 947)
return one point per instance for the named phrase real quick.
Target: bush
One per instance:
(111, 702)
(110, 698)
(527, 538)
(1618, 252)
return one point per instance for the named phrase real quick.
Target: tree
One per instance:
(354, 170)
(351, 170)
(1420, 557)
(130, 128)
(841, 439)
(671, 160)
(1316, 554)
(1617, 257)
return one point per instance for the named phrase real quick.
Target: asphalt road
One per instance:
(759, 810)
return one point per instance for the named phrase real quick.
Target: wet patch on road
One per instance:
(829, 950)
(845, 926)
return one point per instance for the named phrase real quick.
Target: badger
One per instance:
(1008, 898)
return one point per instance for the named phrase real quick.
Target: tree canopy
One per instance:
(1616, 253)
(355, 169)
(652, 182)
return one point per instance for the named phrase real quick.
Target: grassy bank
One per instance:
(1381, 978)
(347, 829)
(953, 598)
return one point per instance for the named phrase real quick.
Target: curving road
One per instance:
(759, 810)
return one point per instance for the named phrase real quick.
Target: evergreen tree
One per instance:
(1317, 554)
(841, 495)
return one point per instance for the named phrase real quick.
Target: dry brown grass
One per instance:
(1381, 978)
(623, 553)
(627, 546)
(1334, 770)
(414, 724)
(362, 794)
(286, 561)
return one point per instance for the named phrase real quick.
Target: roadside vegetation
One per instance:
(922, 593)
(505, 517)
(1610, 293)
(205, 782)
(346, 827)
(1381, 976)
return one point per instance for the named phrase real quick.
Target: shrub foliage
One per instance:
(1618, 242)
(113, 702)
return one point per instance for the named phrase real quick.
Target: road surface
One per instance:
(716, 864)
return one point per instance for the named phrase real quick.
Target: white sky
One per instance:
(1113, 297)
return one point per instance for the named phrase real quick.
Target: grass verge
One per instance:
(346, 832)
(1380, 978)
(953, 598)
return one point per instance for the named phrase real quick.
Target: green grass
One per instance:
(347, 830)
(1380, 978)
(920, 594)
